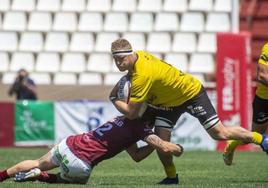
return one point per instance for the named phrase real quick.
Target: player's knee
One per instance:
(43, 164)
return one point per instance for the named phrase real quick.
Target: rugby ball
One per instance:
(124, 88)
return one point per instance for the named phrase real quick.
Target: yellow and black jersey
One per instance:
(262, 90)
(159, 83)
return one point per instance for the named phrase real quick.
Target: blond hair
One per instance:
(120, 45)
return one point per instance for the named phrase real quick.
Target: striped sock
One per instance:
(256, 138)
(3, 175)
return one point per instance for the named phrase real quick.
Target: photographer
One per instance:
(23, 87)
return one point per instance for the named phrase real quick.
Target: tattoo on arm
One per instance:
(154, 141)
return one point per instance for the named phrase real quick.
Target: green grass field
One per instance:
(196, 169)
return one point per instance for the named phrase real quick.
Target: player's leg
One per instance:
(201, 108)
(259, 124)
(231, 145)
(260, 115)
(43, 163)
(163, 127)
(167, 159)
(72, 169)
(236, 133)
(221, 132)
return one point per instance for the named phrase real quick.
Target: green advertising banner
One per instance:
(34, 123)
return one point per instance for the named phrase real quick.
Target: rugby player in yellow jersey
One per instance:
(260, 106)
(168, 93)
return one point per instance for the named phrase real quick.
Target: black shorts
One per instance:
(260, 110)
(199, 107)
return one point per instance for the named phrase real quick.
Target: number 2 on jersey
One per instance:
(103, 128)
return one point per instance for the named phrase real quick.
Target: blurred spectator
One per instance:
(23, 86)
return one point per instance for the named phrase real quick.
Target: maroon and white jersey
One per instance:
(108, 139)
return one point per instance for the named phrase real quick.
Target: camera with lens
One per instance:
(21, 78)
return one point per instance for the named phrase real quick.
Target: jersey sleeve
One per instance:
(142, 131)
(31, 82)
(264, 55)
(140, 87)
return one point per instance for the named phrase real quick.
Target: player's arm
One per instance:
(136, 105)
(130, 110)
(164, 146)
(262, 74)
(138, 154)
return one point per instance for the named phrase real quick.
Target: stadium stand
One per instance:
(41, 78)
(204, 5)
(175, 6)
(218, 22)
(166, 22)
(4, 59)
(99, 62)
(23, 5)
(5, 5)
(207, 42)
(112, 78)
(90, 79)
(8, 77)
(66, 22)
(254, 18)
(73, 5)
(179, 61)
(72, 42)
(154, 39)
(31, 42)
(21, 60)
(73, 62)
(141, 22)
(103, 39)
(65, 79)
(8, 41)
(116, 22)
(124, 6)
(192, 22)
(136, 39)
(14, 21)
(82, 42)
(47, 62)
(222, 5)
(99, 5)
(149, 5)
(184, 42)
(34, 21)
(48, 5)
(201, 63)
(56, 42)
(90, 21)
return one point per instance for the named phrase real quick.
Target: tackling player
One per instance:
(169, 93)
(260, 106)
(77, 155)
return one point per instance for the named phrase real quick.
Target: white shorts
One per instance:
(72, 169)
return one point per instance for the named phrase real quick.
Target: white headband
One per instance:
(122, 53)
